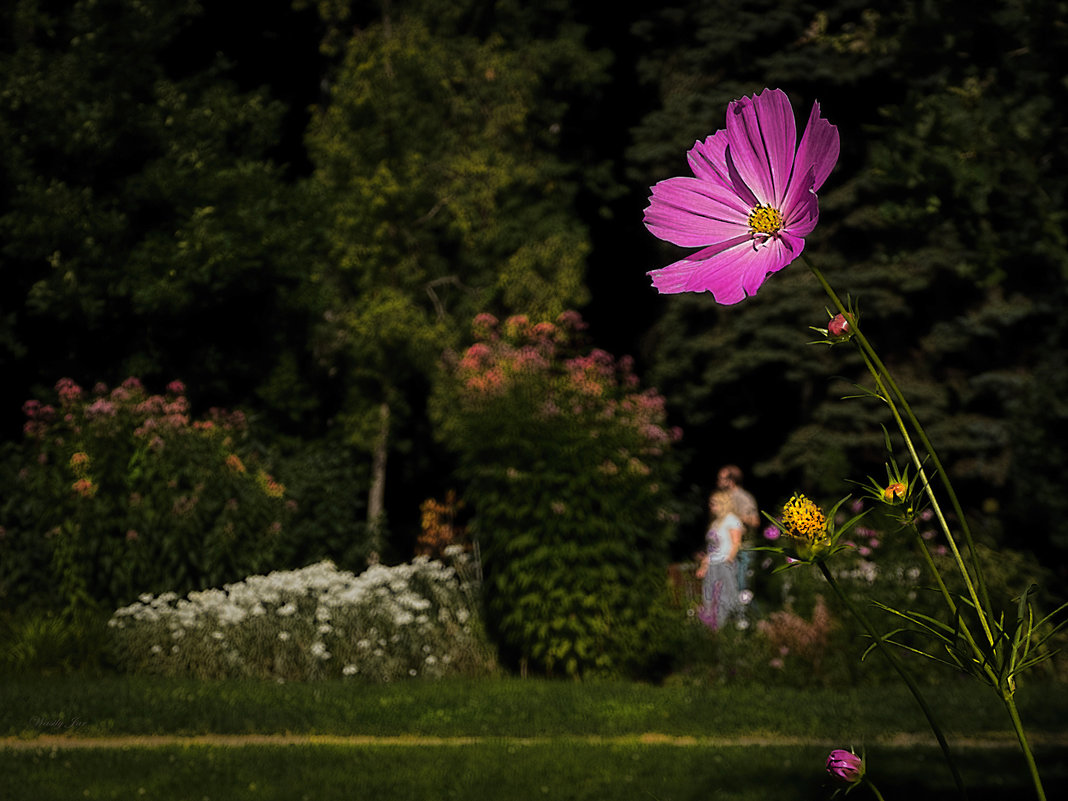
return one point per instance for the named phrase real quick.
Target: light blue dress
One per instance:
(720, 586)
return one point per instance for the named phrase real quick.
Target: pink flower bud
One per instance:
(845, 766)
(838, 327)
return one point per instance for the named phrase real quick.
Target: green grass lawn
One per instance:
(562, 770)
(111, 705)
(534, 739)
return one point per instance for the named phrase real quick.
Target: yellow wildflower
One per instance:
(803, 519)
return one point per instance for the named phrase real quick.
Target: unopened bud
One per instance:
(838, 326)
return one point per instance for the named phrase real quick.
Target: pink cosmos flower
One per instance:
(751, 202)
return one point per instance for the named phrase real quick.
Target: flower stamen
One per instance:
(802, 519)
(765, 220)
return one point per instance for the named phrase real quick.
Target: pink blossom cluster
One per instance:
(105, 411)
(506, 353)
(537, 358)
(153, 415)
(151, 411)
(38, 417)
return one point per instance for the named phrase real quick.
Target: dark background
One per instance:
(944, 219)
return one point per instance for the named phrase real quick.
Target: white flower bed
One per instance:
(387, 623)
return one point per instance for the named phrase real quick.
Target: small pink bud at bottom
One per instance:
(845, 766)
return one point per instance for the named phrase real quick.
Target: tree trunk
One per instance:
(376, 501)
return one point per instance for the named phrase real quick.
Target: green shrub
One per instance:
(119, 492)
(43, 642)
(328, 483)
(388, 623)
(567, 469)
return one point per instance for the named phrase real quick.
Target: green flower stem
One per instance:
(912, 452)
(874, 789)
(1017, 724)
(869, 353)
(979, 656)
(965, 630)
(984, 610)
(905, 676)
(937, 576)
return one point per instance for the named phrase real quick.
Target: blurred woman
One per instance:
(717, 570)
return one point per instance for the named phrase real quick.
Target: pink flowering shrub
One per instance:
(792, 637)
(567, 464)
(122, 492)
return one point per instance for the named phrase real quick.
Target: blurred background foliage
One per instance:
(297, 211)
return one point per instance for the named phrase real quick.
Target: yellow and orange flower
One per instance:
(803, 519)
(895, 492)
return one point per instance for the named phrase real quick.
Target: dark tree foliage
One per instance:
(145, 229)
(154, 220)
(944, 219)
(448, 190)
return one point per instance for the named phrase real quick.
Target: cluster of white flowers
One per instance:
(416, 619)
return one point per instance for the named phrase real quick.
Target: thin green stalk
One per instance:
(905, 676)
(912, 452)
(875, 790)
(870, 353)
(942, 522)
(1017, 724)
(984, 610)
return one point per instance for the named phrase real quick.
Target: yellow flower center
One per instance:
(765, 220)
(801, 518)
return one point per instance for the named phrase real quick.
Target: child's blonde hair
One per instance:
(725, 501)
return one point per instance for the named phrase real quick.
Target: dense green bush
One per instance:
(328, 481)
(118, 492)
(568, 471)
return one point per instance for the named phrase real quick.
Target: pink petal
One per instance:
(762, 136)
(804, 223)
(691, 212)
(800, 210)
(783, 250)
(708, 159)
(729, 271)
(819, 148)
